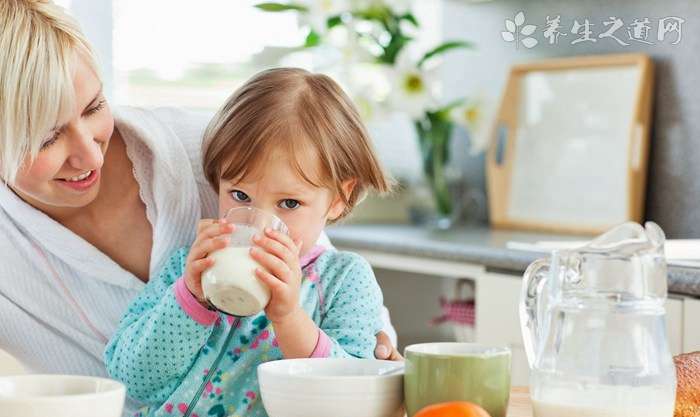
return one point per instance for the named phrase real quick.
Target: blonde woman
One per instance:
(92, 202)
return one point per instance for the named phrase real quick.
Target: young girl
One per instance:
(291, 143)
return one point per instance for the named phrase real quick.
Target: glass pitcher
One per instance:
(594, 329)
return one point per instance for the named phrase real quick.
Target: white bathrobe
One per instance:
(59, 295)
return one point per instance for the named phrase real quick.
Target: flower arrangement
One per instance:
(381, 34)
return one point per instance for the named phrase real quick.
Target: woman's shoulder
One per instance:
(158, 128)
(187, 125)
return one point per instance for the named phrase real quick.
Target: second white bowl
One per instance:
(331, 387)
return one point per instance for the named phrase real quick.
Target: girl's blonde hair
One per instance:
(296, 110)
(40, 45)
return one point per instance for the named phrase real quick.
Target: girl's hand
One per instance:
(278, 255)
(208, 241)
(385, 350)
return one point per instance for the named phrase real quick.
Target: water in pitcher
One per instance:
(611, 346)
(605, 402)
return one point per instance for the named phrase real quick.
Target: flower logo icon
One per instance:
(517, 31)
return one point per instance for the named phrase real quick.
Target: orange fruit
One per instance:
(453, 409)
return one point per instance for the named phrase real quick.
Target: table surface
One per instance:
(519, 405)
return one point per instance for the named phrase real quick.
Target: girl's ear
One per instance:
(338, 206)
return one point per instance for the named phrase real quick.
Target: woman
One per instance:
(92, 202)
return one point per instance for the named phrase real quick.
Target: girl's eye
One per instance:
(240, 196)
(289, 204)
(50, 141)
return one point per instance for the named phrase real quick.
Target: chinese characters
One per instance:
(613, 29)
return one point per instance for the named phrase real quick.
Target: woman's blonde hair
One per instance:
(40, 45)
(296, 110)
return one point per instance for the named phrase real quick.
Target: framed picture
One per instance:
(571, 144)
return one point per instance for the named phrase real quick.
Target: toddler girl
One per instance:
(290, 143)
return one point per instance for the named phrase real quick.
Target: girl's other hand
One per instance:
(278, 256)
(385, 350)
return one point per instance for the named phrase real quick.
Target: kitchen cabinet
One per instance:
(691, 325)
(498, 321)
(674, 323)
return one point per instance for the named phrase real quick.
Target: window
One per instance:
(194, 53)
(191, 53)
(185, 53)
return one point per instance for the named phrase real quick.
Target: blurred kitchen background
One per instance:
(444, 277)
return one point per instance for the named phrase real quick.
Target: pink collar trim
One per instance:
(310, 256)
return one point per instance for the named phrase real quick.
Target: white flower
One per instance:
(347, 43)
(413, 89)
(365, 104)
(319, 11)
(478, 117)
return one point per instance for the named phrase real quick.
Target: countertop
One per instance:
(476, 245)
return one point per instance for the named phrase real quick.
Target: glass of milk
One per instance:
(231, 285)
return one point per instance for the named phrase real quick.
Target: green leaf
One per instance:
(391, 51)
(441, 49)
(443, 113)
(281, 7)
(312, 39)
(334, 21)
(377, 12)
(409, 17)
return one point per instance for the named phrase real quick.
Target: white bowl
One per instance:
(331, 387)
(60, 396)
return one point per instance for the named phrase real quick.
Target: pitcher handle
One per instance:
(533, 282)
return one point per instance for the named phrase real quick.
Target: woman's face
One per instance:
(66, 172)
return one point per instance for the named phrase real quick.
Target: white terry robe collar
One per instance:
(173, 203)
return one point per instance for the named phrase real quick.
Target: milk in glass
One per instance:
(231, 284)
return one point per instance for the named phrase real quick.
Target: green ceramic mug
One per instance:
(441, 372)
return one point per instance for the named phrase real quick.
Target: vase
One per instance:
(442, 180)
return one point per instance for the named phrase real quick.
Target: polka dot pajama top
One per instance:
(183, 359)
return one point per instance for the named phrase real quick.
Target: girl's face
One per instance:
(280, 190)
(66, 172)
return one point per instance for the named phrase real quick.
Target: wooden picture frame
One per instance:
(570, 144)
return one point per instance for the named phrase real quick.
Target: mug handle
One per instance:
(534, 281)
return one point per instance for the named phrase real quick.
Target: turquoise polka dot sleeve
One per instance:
(156, 342)
(351, 311)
